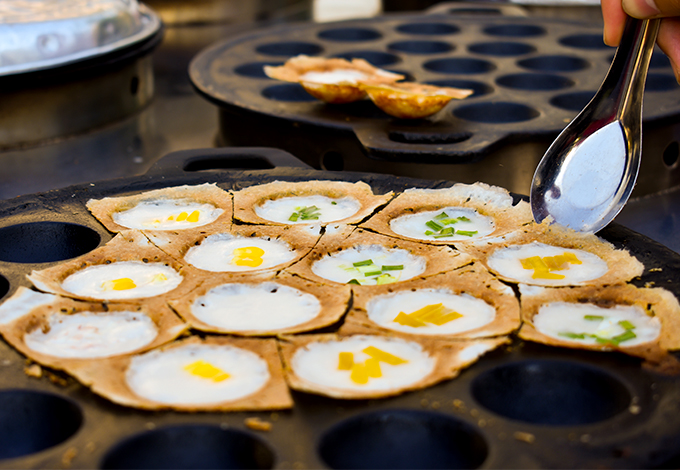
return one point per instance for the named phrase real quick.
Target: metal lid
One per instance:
(42, 34)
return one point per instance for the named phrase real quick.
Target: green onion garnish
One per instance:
(462, 218)
(441, 216)
(366, 262)
(625, 336)
(627, 325)
(294, 216)
(353, 281)
(593, 317)
(573, 335)
(333, 203)
(466, 233)
(305, 213)
(434, 225)
(394, 267)
(448, 221)
(385, 279)
(429, 232)
(373, 273)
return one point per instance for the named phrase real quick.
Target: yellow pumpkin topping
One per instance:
(124, 283)
(436, 314)
(205, 370)
(370, 368)
(248, 256)
(544, 267)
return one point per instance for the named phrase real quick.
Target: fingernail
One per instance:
(641, 8)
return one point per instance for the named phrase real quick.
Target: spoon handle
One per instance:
(625, 81)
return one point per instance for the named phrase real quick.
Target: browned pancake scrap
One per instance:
(490, 201)
(126, 246)
(37, 316)
(412, 100)
(657, 303)
(338, 90)
(312, 362)
(299, 239)
(247, 201)
(333, 302)
(472, 280)
(109, 377)
(338, 240)
(622, 266)
(106, 209)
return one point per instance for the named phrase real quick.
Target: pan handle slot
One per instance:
(224, 159)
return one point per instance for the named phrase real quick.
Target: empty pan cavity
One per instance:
(421, 47)
(501, 49)
(428, 29)
(515, 30)
(289, 92)
(459, 65)
(34, 421)
(660, 82)
(430, 138)
(376, 58)
(350, 34)
(554, 63)
(572, 101)
(584, 41)
(254, 69)
(403, 439)
(498, 113)
(659, 61)
(191, 446)
(534, 81)
(479, 88)
(289, 49)
(551, 392)
(4, 286)
(45, 242)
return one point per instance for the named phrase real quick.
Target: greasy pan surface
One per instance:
(527, 406)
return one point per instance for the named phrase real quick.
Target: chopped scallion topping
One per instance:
(373, 273)
(441, 216)
(593, 317)
(573, 335)
(627, 325)
(353, 281)
(366, 262)
(433, 225)
(394, 267)
(466, 233)
(305, 213)
(462, 218)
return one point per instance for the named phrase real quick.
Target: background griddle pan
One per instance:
(526, 406)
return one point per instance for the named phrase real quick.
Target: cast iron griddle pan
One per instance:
(526, 406)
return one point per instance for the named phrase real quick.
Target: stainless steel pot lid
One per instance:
(42, 34)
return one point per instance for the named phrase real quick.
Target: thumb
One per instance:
(651, 8)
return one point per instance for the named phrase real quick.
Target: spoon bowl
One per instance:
(587, 174)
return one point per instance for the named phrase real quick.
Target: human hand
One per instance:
(614, 13)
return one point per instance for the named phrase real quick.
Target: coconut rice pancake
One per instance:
(461, 213)
(466, 303)
(308, 202)
(243, 249)
(359, 257)
(127, 268)
(61, 331)
(410, 100)
(176, 208)
(360, 366)
(551, 255)
(642, 322)
(332, 80)
(262, 305)
(211, 374)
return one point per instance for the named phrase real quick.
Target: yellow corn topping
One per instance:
(205, 370)
(359, 374)
(124, 283)
(384, 356)
(544, 267)
(373, 367)
(193, 217)
(346, 361)
(182, 217)
(248, 256)
(436, 314)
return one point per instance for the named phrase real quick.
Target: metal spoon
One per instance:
(587, 174)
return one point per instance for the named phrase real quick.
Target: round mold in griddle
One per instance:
(289, 92)
(428, 29)
(32, 421)
(534, 81)
(45, 242)
(403, 439)
(573, 101)
(375, 58)
(660, 82)
(4, 286)
(515, 31)
(551, 392)
(289, 49)
(554, 63)
(255, 69)
(501, 49)
(421, 47)
(350, 34)
(584, 41)
(191, 446)
(497, 113)
(459, 66)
